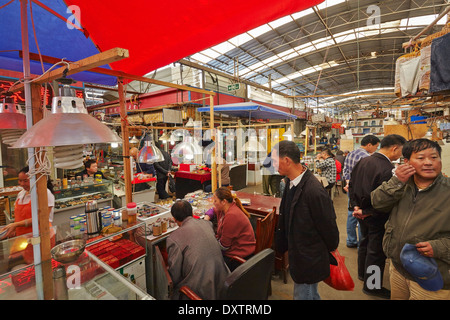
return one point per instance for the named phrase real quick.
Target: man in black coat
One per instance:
(307, 223)
(369, 173)
(163, 169)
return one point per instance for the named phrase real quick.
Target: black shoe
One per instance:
(381, 293)
(352, 245)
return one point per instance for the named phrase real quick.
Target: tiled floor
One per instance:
(282, 291)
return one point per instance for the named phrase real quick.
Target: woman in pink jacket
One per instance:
(234, 230)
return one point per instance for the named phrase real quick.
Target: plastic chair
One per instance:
(249, 281)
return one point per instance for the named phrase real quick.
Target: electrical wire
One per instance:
(41, 166)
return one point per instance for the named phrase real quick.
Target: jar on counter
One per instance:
(157, 229)
(117, 221)
(72, 221)
(132, 212)
(164, 225)
(107, 220)
(77, 221)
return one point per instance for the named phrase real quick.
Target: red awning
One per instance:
(157, 33)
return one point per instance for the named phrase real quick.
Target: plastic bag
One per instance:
(172, 187)
(340, 278)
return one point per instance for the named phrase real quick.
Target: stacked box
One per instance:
(117, 253)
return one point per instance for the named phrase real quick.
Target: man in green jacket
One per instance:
(417, 197)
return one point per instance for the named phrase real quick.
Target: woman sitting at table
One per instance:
(234, 231)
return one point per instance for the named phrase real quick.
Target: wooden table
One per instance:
(259, 204)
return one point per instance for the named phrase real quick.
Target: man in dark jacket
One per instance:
(163, 169)
(369, 173)
(307, 223)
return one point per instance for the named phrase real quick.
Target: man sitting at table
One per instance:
(194, 256)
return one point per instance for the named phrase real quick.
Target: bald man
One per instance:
(146, 168)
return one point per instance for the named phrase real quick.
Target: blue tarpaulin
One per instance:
(54, 38)
(249, 110)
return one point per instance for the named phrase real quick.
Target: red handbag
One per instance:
(340, 278)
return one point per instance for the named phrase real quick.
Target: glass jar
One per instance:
(157, 229)
(72, 221)
(132, 212)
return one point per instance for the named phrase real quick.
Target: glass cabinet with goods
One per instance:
(70, 198)
(107, 266)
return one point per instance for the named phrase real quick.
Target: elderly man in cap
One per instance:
(417, 197)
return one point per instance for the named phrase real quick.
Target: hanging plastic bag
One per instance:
(340, 278)
(172, 187)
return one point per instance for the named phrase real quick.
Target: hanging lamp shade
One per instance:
(288, 134)
(190, 123)
(428, 134)
(12, 121)
(149, 153)
(68, 124)
(165, 137)
(185, 150)
(178, 134)
(11, 116)
(253, 145)
(134, 140)
(390, 121)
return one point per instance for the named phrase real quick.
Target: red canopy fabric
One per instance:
(157, 33)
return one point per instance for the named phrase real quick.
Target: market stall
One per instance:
(256, 149)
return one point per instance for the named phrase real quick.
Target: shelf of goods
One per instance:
(71, 200)
(158, 219)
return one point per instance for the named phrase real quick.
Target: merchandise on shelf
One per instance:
(77, 195)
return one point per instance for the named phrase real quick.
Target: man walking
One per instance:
(307, 223)
(369, 144)
(369, 173)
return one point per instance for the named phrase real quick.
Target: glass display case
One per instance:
(111, 266)
(70, 199)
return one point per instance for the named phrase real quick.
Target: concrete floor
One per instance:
(282, 291)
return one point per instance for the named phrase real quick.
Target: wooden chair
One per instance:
(163, 287)
(265, 228)
(249, 281)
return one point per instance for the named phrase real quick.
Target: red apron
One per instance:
(23, 212)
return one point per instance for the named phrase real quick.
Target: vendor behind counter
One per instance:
(90, 169)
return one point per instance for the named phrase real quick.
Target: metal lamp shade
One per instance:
(68, 124)
(150, 153)
(13, 121)
(64, 129)
(186, 150)
(253, 145)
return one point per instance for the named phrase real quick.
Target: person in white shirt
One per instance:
(22, 210)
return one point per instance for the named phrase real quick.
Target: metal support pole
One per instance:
(31, 162)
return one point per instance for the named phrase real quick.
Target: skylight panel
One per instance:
(240, 39)
(223, 47)
(213, 54)
(329, 3)
(422, 21)
(260, 30)
(303, 13)
(201, 57)
(282, 21)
